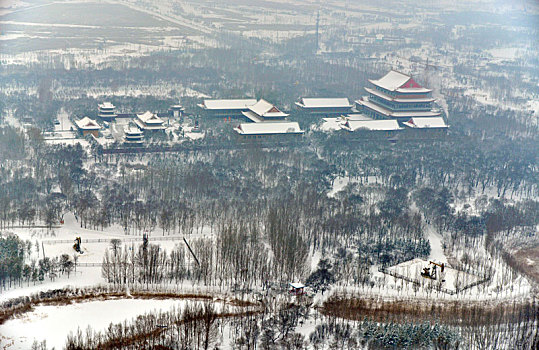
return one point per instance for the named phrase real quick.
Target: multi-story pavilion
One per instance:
(133, 136)
(397, 96)
(107, 111)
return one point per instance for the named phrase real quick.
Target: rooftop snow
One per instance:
(87, 124)
(106, 105)
(400, 82)
(149, 118)
(252, 116)
(131, 130)
(265, 109)
(227, 104)
(357, 116)
(425, 123)
(390, 98)
(374, 125)
(389, 113)
(268, 128)
(392, 80)
(324, 102)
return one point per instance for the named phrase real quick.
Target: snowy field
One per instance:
(53, 323)
(94, 244)
(450, 279)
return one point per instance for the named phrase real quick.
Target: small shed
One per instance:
(296, 288)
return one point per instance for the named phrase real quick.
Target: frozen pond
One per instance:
(53, 323)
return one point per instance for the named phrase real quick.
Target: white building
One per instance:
(88, 126)
(226, 107)
(107, 111)
(325, 106)
(268, 130)
(148, 121)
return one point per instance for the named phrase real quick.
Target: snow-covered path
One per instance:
(436, 247)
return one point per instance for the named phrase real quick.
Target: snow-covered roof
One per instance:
(267, 110)
(402, 114)
(106, 105)
(268, 128)
(372, 125)
(324, 103)
(391, 81)
(296, 285)
(397, 81)
(150, 118)
(227, 104)
(252, 116)
(397, 99)
(87, 124)
(357, 116)
(143, 126)
(426, 123)
(130, 130)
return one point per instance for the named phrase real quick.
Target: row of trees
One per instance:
(18, 266)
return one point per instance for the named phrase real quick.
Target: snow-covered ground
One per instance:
(450, 279)
(93, 251)
(53, 323)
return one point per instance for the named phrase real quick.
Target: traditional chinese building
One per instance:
(263, 111)
(149, 122)
(107, 111)
(425, 127)
(368, 128)
(176, 110)
(397, 96)
(225, 108)
(87, 126)
(133, 136)
(266, 121)
(324, 106)
(268, 130)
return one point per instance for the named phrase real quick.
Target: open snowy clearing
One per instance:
(94, 245)
(450, 279)
(53, 323)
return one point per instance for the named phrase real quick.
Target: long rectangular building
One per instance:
(325, 106)
(226, 108)
(268, 130)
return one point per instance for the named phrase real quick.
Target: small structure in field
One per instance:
(87, 126)
(296, 288)
(446, 279)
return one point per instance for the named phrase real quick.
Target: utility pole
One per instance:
(317, 30)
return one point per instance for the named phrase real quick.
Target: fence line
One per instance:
(107, 240)
(442, 289)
